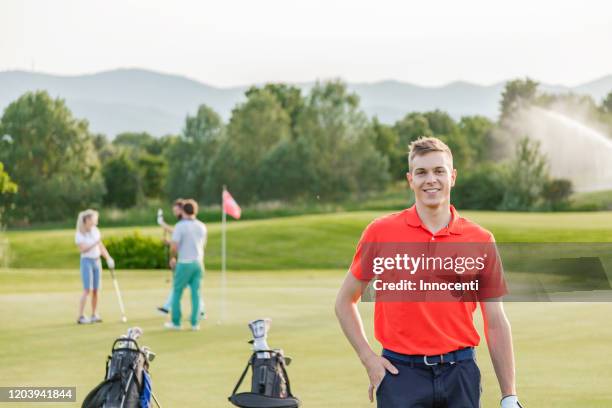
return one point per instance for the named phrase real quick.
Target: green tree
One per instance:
(122, 182)
(526, 176)
(51, 158)
(103, 147)
(340, 143)
(478, 131)
(459, 146)
(411, 127)
(515, 93)
(606, 104)
(434, 123)
(287, 172)
(440, 123)
(255, 128)
(152, 171)
(139, 141)
(386, 142)
(289, 97)
(145, 152)
(7, 186)
(190, 155)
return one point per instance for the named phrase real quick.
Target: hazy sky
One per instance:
(231, 42)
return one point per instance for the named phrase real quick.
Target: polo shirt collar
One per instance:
(454, 226)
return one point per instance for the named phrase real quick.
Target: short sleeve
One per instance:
(362, 253)
(493, 283)
(176, 234)
(78, 238)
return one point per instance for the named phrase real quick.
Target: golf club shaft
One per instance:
(118, 292)
(155, 399)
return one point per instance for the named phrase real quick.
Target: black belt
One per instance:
(452, 357)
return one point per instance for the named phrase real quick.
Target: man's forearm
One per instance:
(499, 341)
(352, 326)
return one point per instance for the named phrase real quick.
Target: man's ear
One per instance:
(409, 178)
(453, 177)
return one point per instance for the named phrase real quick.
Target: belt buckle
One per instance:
(433, 364)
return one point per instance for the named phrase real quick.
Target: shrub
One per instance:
(137, 252)
(480, 189)
(556, 194)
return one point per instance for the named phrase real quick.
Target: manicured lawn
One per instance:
(288, 269)
(310, 241)
(560, 347)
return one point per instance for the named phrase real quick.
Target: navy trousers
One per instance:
(440, 386)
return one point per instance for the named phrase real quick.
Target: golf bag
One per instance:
(127, 383)
(270, 387)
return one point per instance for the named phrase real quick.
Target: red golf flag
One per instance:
(230, 206)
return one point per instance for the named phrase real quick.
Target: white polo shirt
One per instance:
(89, 238)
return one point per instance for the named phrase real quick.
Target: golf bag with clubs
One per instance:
(270, 387)
(127, 383)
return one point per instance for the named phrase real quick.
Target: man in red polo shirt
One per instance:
(428, 346)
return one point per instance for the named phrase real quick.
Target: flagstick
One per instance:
(223, 277)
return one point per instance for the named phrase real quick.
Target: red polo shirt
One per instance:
(426, 328)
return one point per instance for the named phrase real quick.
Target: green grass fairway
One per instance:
(288, 269)
(561, 348)
(310, 241)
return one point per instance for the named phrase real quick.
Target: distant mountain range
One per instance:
(141, 100)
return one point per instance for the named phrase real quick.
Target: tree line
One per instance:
(278, 145)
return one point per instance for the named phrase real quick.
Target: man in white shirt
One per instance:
(188, 240)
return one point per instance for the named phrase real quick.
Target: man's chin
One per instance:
(433, 203)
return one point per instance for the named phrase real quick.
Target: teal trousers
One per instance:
(186, 274)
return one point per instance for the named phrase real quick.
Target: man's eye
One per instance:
(440, 171)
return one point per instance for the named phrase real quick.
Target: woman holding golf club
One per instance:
(88, 240)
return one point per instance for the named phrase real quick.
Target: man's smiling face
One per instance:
(431, 177)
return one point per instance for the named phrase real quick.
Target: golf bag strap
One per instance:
(286, 377)
(134, 378)
(125, 340)
(246, 369)
(108, 362)
(283, 367)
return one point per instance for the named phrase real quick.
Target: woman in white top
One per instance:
(88, 239)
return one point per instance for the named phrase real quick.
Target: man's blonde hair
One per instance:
(424, 145)
(83, 216)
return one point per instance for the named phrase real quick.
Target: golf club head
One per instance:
(150, 355)
(260, 328)
(134, 332)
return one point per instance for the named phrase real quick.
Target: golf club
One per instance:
(119, 298)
